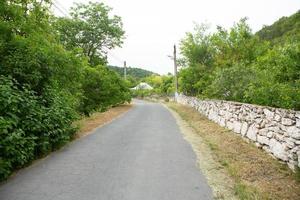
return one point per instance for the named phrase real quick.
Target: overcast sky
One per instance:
(153, 26)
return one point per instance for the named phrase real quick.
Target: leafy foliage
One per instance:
(102, 88)
(92, 29)
(286, 28)
(237, 65)
(134, 75)
(134, 72)
(163, 85)
(277, 78)
(46, 83)
(28, 126)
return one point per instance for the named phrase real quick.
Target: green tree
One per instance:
(102, 88)
(277, 81)
(230, 83)
(286, 28)
(196, 47)
(37, 99)
(43, 86)
(155, 81)
(198, 57)
(236, 45)
(91, 28)
(167, 86)
(241, 66)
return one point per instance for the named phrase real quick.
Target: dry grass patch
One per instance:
(88, 124)
(256, 174)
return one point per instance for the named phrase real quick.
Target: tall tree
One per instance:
(93, 29)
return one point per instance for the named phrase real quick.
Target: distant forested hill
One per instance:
(283, 29)
(135, 73)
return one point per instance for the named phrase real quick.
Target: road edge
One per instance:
(217, 178)
(75, 139)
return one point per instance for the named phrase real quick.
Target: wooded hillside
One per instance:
(134, 72)
(283, 29)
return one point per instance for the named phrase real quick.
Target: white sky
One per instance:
(153, 26)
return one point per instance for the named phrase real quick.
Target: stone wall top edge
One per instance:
(245, 104)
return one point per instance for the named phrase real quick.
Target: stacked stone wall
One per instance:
(275, 130)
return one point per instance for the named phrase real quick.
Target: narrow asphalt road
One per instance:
(139, 156)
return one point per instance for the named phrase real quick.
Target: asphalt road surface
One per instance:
(139, 156)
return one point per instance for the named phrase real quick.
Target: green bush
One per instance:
(235, 65)
(264, 90)
(29, 126)
(141, 93)
(45, 85)
(230, 83)
(102, 88)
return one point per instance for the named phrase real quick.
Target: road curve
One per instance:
(139, 156)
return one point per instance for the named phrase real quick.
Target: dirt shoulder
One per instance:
(235, 169)
(88, 124)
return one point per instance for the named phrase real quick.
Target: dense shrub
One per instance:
(16, 148)
(163, 85)
(277, 81)
(230, 83)
(283, 29)
(45, 86)
(236, 65)
(142, 93)
(101, 89)
(30, 126)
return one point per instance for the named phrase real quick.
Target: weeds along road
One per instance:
(141, 155)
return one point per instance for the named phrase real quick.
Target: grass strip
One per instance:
(255, 173)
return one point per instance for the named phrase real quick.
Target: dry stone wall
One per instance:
(275, 130)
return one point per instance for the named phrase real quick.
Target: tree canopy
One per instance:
(238, 65)
(91, 28)
(47, 81)
(286, 28)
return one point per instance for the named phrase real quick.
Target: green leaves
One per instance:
(277, 80)
(196, 47)
(46, 85)
(285, 29)
(28, 127)
(230, 83)
(101, 89)
(241, 67)
(93, 29)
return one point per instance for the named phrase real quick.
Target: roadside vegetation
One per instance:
(133, 75)
(238, 65)
(163, 86)
(52, 72)
(255, 174)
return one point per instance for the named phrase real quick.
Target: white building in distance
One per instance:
(142, 86)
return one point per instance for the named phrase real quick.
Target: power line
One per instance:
(64, 12)
(61, 10)
(114, 56)
(117, 58)
(61, 6)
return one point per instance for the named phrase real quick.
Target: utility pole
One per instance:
(125, 72)
(175, 71)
